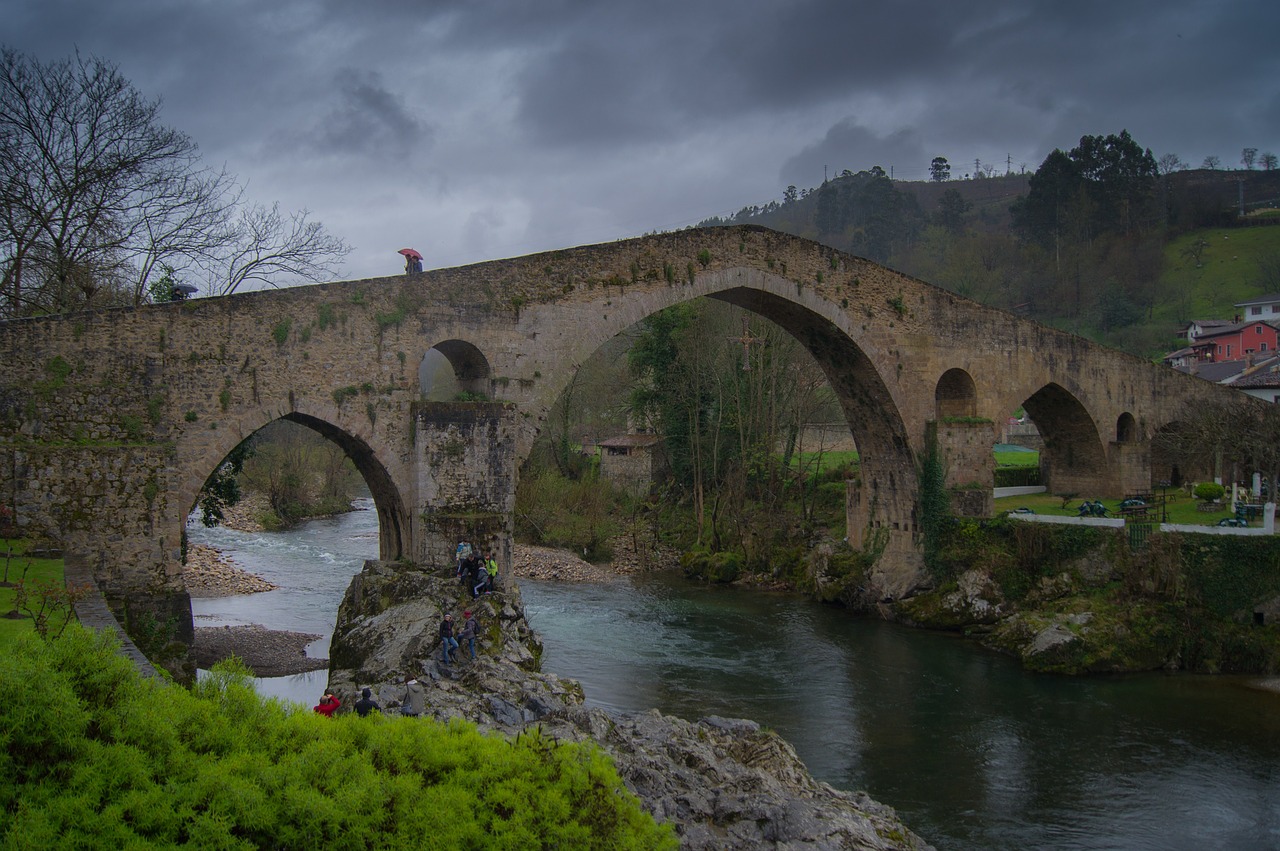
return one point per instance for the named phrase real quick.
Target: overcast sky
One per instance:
(480, 129)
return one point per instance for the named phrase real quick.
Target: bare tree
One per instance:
(267, 247)
(1169, 163)
(1241, 435)
(1268, 161)
(94, 191)
(1211, 162)
(1248, 156)
(97, 197)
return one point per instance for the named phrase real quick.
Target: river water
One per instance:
(973, 752)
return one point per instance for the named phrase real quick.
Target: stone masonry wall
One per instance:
(466, 480)
(110, 421)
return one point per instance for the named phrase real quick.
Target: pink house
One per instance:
(1236, 342)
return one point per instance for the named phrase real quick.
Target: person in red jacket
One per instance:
(328, 705)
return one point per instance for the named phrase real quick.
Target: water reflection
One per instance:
(975, 753)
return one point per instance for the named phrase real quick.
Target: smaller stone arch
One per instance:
(452, 367)
(1126, 428)
(956, 395)
(1073, 459)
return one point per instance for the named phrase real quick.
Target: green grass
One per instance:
(1227, 273)
(1180, 508)
(1017, 459)
(818, 463)
(37, 570)
(837, 460)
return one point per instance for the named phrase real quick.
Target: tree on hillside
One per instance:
(1248, 156)
(951, 209)
(1211, 162)
(866, 214)
(1043, 213)
(1106, 183)
(1169, 163)
(939, 170)
(1268, 161)
(97, 197)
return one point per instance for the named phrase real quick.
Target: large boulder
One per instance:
(722, 783)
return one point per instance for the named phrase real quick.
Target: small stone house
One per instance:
(631, 461)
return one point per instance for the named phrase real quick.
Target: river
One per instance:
(972, 751)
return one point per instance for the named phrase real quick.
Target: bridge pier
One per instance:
(965, 448)
(1130, 464)
(880, 517)
(465, 473)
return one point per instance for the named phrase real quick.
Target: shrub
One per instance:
(1209, 491)
(722, 567)
(96, 756)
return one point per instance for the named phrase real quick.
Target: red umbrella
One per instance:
(411, 252)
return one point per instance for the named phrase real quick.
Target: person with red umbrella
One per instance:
(412, 260)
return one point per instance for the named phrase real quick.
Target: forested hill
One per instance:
(1097, 240)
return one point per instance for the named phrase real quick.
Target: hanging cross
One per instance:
(747, 340)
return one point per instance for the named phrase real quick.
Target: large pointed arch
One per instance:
(1073, 459)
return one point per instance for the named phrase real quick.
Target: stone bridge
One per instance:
(111, 421)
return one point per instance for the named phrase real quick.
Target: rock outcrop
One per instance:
(723, 783)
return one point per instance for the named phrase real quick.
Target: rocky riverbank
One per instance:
(722, 783)
(211, 574)
(266, 652)
(559, 565)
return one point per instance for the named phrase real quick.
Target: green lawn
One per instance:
(1017, 459)
(836, 460)
(1181, 508)
(36, 570)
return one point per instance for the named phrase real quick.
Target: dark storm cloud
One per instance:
(368, 120)
(502, 126)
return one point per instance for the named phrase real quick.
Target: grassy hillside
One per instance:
(1235, 264)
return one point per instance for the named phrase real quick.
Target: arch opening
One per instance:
(860, 404)
(1126, 428)
(452, 368)
(956, 395)
(392, 516)
(1072, 460)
